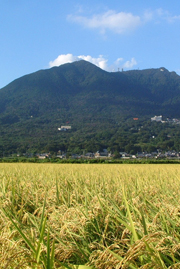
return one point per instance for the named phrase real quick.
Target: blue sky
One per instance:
(39, 34)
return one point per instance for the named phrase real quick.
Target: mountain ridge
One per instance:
(156, 87)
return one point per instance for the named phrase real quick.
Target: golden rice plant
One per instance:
(89, 216)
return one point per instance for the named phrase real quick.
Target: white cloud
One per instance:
(122, 22)
(69, 58)
(62, 59)
(130, 64)
(99, 61)
(117, 22)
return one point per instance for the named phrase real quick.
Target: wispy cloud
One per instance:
(166, 15)
(117, 22)
(122, 22)
(160, 15)
(99, 61)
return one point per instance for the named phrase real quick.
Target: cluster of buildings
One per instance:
(153, 155)
(159, 119)
(122, 155)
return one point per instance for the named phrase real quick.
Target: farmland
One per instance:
(98, 215)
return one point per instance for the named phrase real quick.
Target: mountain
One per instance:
(84, 96)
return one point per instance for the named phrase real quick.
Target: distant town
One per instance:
(160, 119)
(108, 155)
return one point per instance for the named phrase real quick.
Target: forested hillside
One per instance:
(98, 105)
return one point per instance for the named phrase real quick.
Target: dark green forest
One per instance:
(129, 136)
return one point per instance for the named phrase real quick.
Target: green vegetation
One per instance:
(90, 161)
(100, 107)
(129, 136)
(98, 216)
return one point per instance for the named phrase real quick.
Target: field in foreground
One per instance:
(102, 216)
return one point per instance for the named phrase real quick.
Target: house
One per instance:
(43, 156)
(101, 154)
(89, 155)
(157, 118)
(141, 154)
(125, 155)
(64, 128)
(61, 156)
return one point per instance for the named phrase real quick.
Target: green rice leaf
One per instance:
(21, 233)
(130, 218)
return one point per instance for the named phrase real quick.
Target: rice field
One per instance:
(89, 216)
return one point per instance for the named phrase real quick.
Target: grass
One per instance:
(89, 216)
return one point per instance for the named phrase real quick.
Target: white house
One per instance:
(64, 128)
(156, 118)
